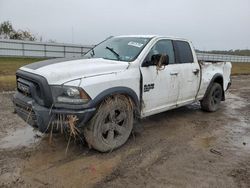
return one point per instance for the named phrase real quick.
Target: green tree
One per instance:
(8, 32)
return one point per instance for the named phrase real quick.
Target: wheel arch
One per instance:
(115, 91)
(217, 78)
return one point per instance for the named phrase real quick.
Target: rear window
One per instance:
(183, 52)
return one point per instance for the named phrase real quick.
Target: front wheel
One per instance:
(211, 101)
(111, 125)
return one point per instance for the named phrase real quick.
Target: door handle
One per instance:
(173, 73)
(196, 71)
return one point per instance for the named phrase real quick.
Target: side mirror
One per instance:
(157, 59)
(147, 63)
(166, 60)
(160, 59)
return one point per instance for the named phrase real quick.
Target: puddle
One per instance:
(24, 137)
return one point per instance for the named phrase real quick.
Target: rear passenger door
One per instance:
(188, 73)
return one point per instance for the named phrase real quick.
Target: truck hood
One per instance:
(59, 71)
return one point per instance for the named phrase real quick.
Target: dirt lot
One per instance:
(180, 148)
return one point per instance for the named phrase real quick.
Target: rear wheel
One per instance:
(211, 101)
(111, 125)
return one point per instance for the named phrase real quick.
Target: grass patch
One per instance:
(9, 65)
(8, 68)
(240, 68)
(7, 83)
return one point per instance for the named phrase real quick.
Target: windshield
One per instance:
(119, 48)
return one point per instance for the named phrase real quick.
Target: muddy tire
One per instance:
(111, 125)
(211, 101)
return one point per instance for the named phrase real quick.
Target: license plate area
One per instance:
(23, 88)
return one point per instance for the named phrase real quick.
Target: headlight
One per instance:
(72, 92)
(70, 95)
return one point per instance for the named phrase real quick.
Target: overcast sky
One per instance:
(209, 24)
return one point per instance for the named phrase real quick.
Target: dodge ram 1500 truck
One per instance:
(120, 79)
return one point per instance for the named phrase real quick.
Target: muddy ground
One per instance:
(180, 148)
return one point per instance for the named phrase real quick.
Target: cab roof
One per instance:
(153, 36)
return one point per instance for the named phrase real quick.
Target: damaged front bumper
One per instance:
(45, 118)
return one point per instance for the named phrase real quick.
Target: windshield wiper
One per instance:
(114, 52)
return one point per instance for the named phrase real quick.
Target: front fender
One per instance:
(113, 91)
(94, 103)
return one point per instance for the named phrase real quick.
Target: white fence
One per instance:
(20, 48)
(40, 49)
(221, 57)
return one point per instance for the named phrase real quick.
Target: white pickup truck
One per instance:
(122, 78)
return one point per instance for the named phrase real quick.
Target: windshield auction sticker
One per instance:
(135, 44)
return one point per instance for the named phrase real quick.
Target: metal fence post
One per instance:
(45, 54)
(23, 49)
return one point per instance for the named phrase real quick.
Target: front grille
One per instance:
(23, 88)
(35, 87)
(28, 88)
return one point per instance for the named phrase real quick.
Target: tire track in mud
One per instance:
(172, 151)
(192, 164)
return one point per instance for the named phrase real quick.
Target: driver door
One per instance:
(160, 86)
